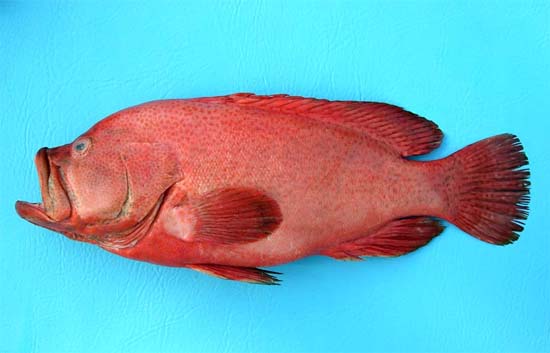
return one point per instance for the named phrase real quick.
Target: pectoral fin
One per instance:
(225, 216)
(235, 273)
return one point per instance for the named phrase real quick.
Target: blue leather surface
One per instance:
(475, 68)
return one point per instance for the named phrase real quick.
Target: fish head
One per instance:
(100, 186)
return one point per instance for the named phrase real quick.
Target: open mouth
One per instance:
(55, 206)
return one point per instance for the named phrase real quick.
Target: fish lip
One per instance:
(43, 168)
(54, 208)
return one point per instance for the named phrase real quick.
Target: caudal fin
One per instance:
(489, 189)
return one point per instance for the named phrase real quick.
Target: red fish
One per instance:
(225, 185)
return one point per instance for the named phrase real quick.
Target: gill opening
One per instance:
(117, 241)
(125, 209)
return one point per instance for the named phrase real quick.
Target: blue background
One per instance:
(477, 69)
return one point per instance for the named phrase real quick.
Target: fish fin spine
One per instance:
(488, 189)
(395, 238)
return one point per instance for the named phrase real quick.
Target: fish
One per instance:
(229, 185)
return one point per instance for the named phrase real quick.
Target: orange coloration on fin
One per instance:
(396, 238)
(408, 133)
(233, 216)
(235, 273)
(489, 189)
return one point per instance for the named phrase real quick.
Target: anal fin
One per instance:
(396, 238)
(236, 273)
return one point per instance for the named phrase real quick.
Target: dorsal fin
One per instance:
(408, 133)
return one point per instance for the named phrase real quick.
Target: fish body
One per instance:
(227, 184)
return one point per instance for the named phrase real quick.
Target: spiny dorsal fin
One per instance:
(408, 133)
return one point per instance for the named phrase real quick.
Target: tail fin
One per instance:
(489, 192)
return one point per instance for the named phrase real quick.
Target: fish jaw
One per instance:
(36, 214)
(55, 206)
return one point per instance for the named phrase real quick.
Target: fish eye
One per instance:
(81, 146)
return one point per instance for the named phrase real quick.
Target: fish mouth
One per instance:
(55, 206)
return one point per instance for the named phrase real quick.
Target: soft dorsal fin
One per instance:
(408, 133)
